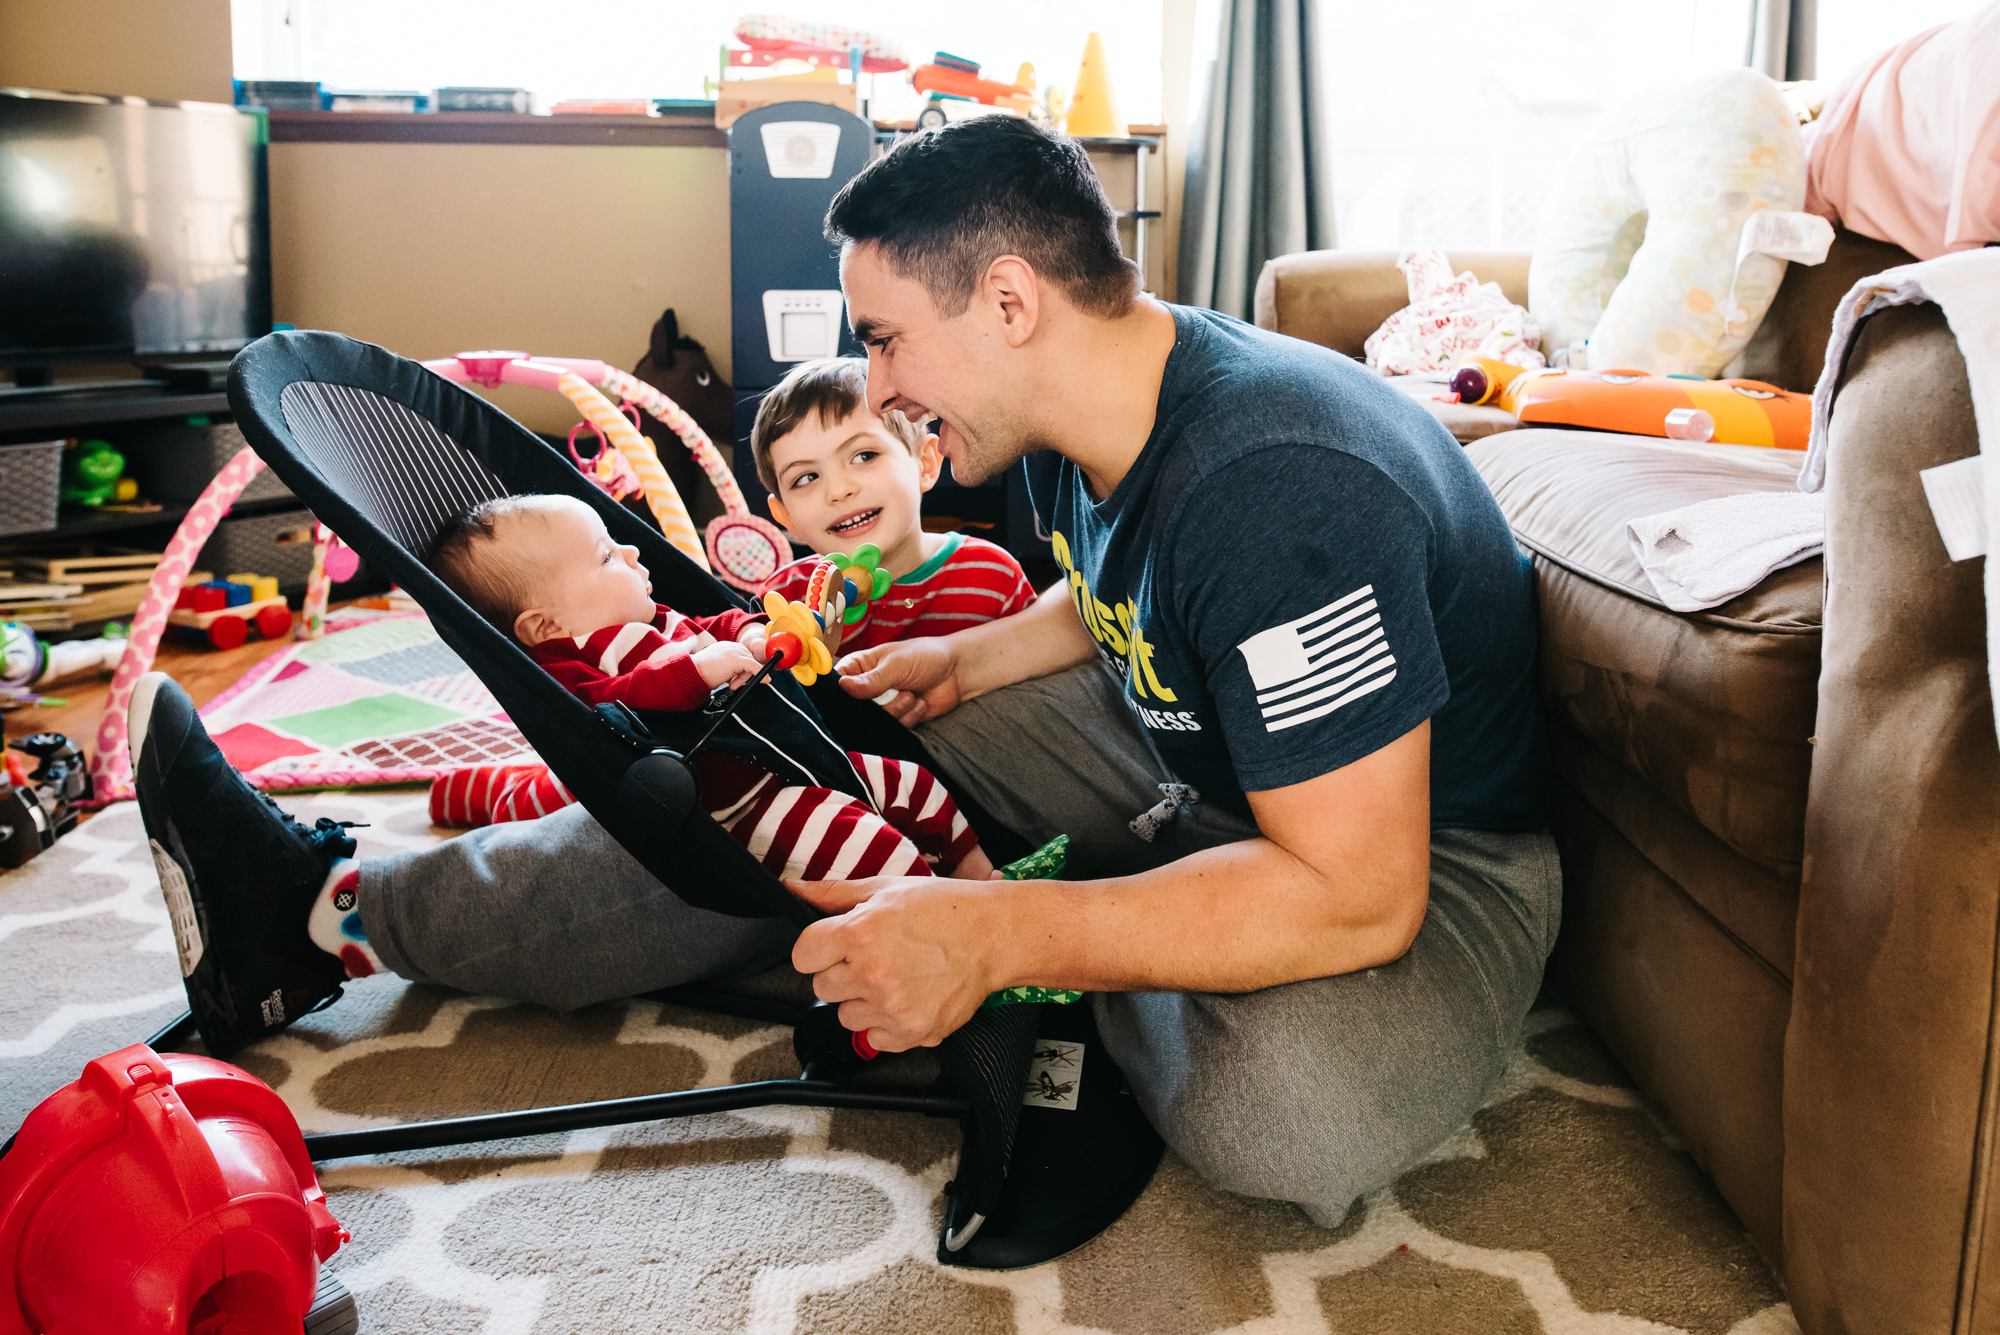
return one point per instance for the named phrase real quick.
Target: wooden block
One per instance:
(37, 593)
(88, 564)
(107, 602)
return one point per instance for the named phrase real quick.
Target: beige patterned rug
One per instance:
(1564, 1208)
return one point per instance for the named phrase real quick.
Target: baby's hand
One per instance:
(752, 639)
(724, 665)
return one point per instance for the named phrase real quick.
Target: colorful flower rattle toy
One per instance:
(864, 578)
(802, 634)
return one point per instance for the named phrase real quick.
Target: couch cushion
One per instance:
(1337, 298)
(1713, 709)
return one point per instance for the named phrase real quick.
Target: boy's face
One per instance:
(585, 580)
(851, 481)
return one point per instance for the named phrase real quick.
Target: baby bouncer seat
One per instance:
(385, 452)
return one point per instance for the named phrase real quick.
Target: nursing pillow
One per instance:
(1647, 249)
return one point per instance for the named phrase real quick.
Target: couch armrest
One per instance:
(1890, 1060)
(1337, 298)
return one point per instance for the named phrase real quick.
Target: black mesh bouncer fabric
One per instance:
(384, 452)
(985, 1058)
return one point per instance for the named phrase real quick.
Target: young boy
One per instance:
(544, 569)
(840, 476)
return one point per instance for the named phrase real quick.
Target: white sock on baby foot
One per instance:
(335, 924)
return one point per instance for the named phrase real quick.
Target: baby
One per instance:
(545, 569)
(840, 476)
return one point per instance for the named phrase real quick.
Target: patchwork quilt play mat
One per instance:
(378, 700)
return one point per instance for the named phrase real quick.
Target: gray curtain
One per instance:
(1258, 181)
(1783, 38)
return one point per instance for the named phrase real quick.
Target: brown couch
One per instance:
(1778, 818)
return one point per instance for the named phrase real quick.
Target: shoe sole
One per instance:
(139, 716)
(175, 882)
(222, 997)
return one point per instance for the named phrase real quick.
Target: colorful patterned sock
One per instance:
(335, 923)
(1044, 864)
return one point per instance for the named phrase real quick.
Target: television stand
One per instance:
(72, 407)
(191, 376)
(18, 391)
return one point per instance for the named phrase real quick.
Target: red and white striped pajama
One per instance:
(910, 826)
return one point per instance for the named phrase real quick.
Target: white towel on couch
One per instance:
(1966, 284)
(1707, 553)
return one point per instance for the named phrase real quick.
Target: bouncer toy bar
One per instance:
(746, 548)
(111, 769)
(568, 378)
(742, 548)
(159, 1194)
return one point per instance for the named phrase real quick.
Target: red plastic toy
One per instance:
(160, 1195)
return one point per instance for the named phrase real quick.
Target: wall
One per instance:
(430, 249)
(172, 50)
(1177, 19)
(573, 251)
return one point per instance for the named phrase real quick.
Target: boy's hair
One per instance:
(473, 564)
(944, 205)
(829, 389)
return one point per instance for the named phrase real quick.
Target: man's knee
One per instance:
(1285, 1095)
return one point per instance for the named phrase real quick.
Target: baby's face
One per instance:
(587, 581)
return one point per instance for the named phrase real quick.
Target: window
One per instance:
(666, 48)
(1450, 120)
(1850, 31)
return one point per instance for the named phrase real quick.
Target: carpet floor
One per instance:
(1564, 1208)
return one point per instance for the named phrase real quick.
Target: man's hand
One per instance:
(931, 677)
(922, 673)
(906, 958)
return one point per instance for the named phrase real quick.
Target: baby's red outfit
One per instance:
(798, 832)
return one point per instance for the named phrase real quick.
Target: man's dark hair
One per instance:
(944, 205)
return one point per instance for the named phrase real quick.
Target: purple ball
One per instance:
(1469, 384)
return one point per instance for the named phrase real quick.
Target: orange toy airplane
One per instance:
(956, 77)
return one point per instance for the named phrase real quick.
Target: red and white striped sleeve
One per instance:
(632, 664)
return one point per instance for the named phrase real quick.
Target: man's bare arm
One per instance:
(932, 676)
(1339, 882)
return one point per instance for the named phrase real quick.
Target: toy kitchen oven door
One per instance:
(786, 163)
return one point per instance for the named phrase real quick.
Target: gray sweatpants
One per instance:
(1313, 1092)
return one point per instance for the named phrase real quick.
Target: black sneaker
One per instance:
(238, 872)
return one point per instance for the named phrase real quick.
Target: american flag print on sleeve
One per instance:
(1307, 668)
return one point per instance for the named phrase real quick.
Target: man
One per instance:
(1282, 704)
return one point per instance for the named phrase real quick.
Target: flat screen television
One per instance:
(130, 229)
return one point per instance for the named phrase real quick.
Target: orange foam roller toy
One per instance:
(1746, 412)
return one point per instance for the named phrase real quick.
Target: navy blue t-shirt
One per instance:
(1300, 567)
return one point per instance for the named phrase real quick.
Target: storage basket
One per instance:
(176, 464)
(30, 478)
(275, 544)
